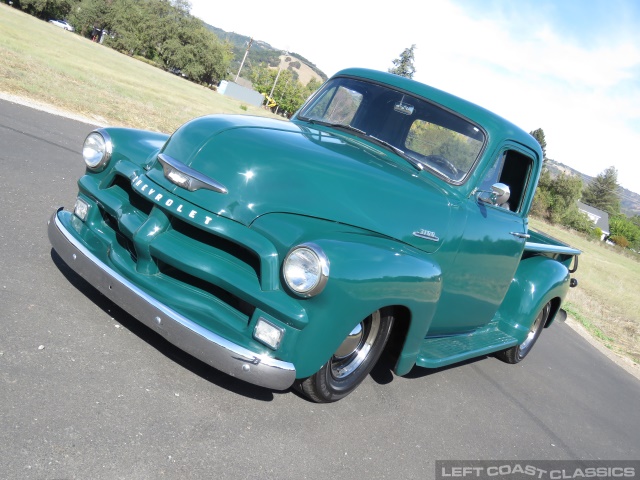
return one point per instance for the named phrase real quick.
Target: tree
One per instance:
(602, 192)
(556, 199)
(47, 9)
(289, 93)
(565, 191)
(162, 31)
(538, 134)
(87, 16)
(622, 227)
(403, 65)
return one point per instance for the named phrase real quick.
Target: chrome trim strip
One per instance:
(203, 344)
(196, 179)
(544, 248)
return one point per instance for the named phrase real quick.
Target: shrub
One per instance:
(541, 204)
(574, 218)
(620, 241)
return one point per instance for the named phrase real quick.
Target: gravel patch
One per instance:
(27, 102)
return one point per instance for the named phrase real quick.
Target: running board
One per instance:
(441, 351)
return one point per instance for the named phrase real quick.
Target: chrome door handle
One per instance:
(520, 235)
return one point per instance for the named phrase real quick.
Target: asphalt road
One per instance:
(87, 392)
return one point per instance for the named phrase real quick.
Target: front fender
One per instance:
(538, 280)
(367, 273)
(135, 145)
(132, 150)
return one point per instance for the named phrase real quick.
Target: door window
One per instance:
(512, 168)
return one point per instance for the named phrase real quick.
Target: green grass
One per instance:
(591, 328)
(48, 64)
(606, 301)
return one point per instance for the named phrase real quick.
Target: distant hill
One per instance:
(629, 201)
(262, 52)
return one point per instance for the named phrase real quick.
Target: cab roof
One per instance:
(498, 129)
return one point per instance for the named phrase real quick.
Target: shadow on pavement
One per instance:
(158, 342)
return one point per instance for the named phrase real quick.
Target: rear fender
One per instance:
(538, 280)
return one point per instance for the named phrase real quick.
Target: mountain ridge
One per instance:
(629, 200)
(260, 52)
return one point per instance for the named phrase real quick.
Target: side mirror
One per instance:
(500, 194)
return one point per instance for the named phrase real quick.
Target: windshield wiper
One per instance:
(415, 163)
(337, 125)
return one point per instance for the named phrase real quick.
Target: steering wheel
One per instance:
(441, 161)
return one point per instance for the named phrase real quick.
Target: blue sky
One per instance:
(570, 67)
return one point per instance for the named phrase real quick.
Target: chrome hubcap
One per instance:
(350, 343)
(528, 342)
(356, 347)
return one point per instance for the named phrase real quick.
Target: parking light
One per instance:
(81, 209)
(268, 333)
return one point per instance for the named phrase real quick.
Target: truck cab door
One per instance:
(490, 249)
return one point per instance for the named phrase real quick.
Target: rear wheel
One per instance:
(351, 363)
(517, 353)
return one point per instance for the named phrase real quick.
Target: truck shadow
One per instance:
(383, 374)
(158, 342)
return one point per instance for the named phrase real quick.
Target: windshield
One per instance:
(424, 133)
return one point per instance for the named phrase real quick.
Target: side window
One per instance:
(514, 170)
(338, 107)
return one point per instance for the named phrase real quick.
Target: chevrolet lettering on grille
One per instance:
(167, 200)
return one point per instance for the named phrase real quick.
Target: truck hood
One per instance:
(271, 166)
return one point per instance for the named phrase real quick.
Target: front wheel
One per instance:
(351, 363)
(517, 353)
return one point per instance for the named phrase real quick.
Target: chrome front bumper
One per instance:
(203, 344)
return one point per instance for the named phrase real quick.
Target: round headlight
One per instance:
(306, 270)
(96, 150)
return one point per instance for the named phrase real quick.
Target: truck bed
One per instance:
(539, 242)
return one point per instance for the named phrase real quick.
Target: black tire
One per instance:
(516, 354)
(345, 370)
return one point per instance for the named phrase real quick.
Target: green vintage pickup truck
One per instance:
(385, 215)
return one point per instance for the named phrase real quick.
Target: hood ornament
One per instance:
(186, 177)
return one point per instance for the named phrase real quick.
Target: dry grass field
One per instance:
(606, 300)
(305, 73)
(47, 64)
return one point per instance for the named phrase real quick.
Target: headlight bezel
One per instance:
(105, 149)
(322, 264)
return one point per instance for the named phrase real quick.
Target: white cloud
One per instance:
(585, 96)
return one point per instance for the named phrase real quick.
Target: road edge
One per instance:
(45, 107)
(623, 362)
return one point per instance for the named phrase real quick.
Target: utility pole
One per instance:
(244, 58)
(276, 80)
(274, 83)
